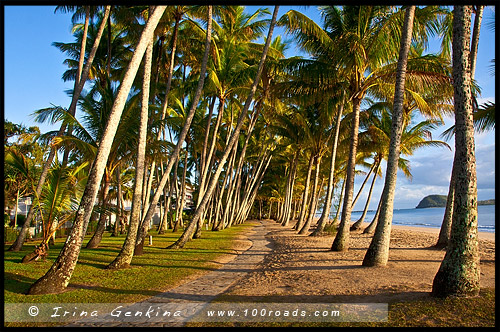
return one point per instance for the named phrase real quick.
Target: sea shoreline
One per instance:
(482, 235)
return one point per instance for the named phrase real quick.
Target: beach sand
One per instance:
(302, 268)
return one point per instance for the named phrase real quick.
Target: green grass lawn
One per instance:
(150, 274)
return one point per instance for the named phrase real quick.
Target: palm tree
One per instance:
(96, 106)
(58, 202)
(330, 187)
(458, 274)
(59, 275)
(230, 144)
(483, 118)
(287, 127)
(378, 251)
(229, 73)
(376, 139)
(20, 181)
(359, 41)
(17, 245)
(125, 256)
(316, 125)
(185, 129)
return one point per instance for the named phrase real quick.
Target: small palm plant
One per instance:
(58, 203)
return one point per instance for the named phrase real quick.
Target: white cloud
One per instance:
(431, 171)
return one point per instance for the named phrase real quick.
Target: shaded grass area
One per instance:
(154, 272)
(429, 312)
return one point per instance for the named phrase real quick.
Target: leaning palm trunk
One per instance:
(289, 193)
(164, 223)
(101, 225)
(371, 228)
(459, 272)
(124, 258)
(378, 251)
(17, 245)
(210, 158)
(230, 190)
(341, 241)
(329, 190)
(240, 165)
(305, 199)
(362, 187)
(358, 224)
(221, 223)
(281, 220)
(184, 132)
(251, 191)
(336, 220)
(59, 275)
(164, 109)
(253, 194)
(81, 61)
(312, 207)
(187, 234)
(119, 206)
(444, 233)
(253, 182)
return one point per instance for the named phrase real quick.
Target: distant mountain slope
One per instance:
(432, 201)
(440, 201)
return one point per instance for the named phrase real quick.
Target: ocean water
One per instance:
(431, 217)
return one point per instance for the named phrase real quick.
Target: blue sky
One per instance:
(33, 71)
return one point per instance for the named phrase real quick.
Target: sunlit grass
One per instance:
(150, 274)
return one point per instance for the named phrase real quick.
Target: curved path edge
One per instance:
(193, 295)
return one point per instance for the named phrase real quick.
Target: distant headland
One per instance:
(440, 201)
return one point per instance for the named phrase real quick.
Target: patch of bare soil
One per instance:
(302, 268)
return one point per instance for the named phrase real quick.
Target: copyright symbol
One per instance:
(33, 311)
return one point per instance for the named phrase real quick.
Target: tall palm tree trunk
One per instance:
(81, 61)
(210, 158)
(281, 220)
(459, 272)
(17, 245)
(187, 124)
(239, 168)
(58, 276)
(164, 107)
(253, 181)
(312, 207)
(378, 251)
(358, 224)
(162, 228)
(305, 199)
(234, 137)
(329, 190)
(341, 201)
(124, 258)
(341, 241)
(371, 228)
(119, 206)
(251, 193)
(289, 194)
(444, 233)
(101, 225)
